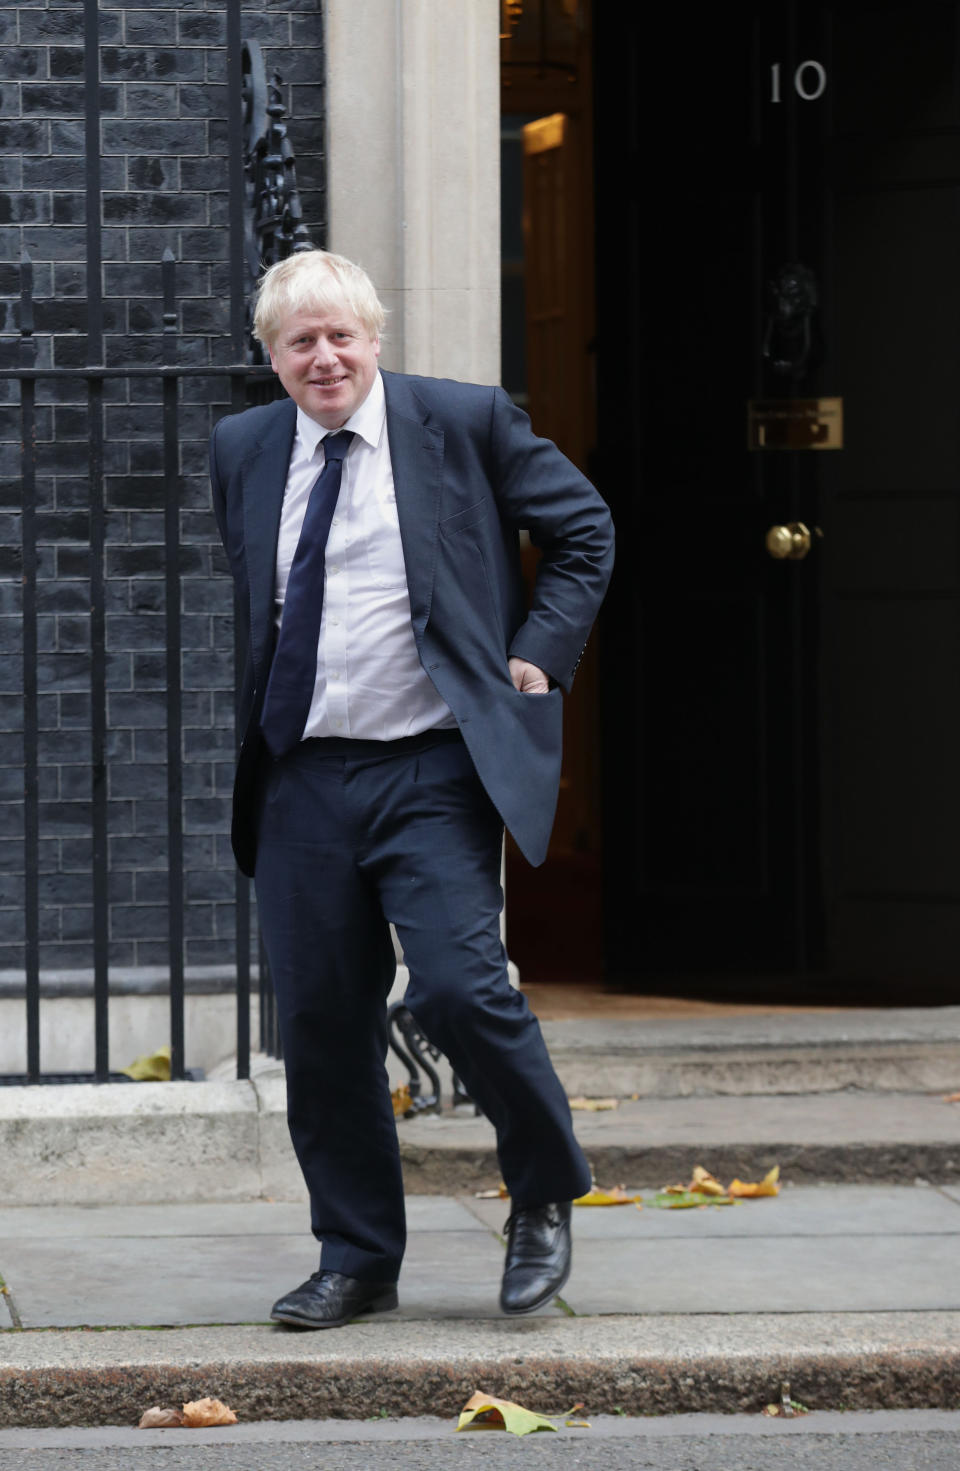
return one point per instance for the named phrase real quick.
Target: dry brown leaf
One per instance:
(745, 1190)
(207, 1412)
(616, 1195)
(402, 1102)
(594, 1105)
(951, 1097)
(160, 1417)
(501, 1193)
(703, 1183)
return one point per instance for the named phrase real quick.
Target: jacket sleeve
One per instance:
(538, 489)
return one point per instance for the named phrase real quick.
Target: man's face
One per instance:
(327, 363)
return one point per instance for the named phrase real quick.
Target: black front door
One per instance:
(778, 220)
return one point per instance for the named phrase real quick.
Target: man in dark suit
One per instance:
(400, 704)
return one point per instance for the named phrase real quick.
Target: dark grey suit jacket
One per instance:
(469, 473)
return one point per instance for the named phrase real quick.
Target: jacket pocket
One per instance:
(470, 516)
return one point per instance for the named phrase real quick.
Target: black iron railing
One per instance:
(265, 220)
(247, 383)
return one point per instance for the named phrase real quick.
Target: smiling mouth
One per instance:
(327, 382)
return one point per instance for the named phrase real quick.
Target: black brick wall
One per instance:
(164, 173)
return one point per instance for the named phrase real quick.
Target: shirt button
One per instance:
(335, 622)
(334, 570)
(338, 725)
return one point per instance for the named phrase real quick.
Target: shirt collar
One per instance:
(367, 421)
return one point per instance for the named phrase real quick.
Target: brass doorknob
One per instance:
(791, 542)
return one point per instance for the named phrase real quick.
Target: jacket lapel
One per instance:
(264, 477)
(416, 456)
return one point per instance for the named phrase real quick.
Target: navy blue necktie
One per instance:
(294, 670)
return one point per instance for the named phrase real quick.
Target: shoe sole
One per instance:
(541, 1302)
(382, 1304)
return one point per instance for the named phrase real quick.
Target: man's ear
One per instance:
(376, 346)
(273, 360)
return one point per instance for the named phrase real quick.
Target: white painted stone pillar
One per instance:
(413, 102)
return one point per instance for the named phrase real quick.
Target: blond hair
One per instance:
(317, 281)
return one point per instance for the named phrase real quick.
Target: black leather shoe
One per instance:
(329, 1299)
(538, 1257)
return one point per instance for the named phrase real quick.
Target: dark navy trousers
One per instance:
(354, 835)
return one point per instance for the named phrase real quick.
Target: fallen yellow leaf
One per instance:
(744, 1190)
(485, 1412)
(207, 1412)
(154, 1067)
(501, 1193)
(951, 1097)
(705, 1189)
(594, 1105)
(616, 1195)
(402, 1102)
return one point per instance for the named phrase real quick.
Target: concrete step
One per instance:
(651, 1142)
(75, 1144)
(657, 1365)
(904, 1050)
(829, 1096)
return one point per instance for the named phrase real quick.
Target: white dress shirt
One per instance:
(370, 684)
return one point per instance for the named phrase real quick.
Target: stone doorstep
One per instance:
(653, 1365)
(898, 1050)
(228, 1141)
(766, 1069)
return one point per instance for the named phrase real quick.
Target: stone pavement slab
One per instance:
(204, 1279)
(252, 1218)
(161, 1266)
(841, 1248)
(798, 1275)
(803, 1210)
